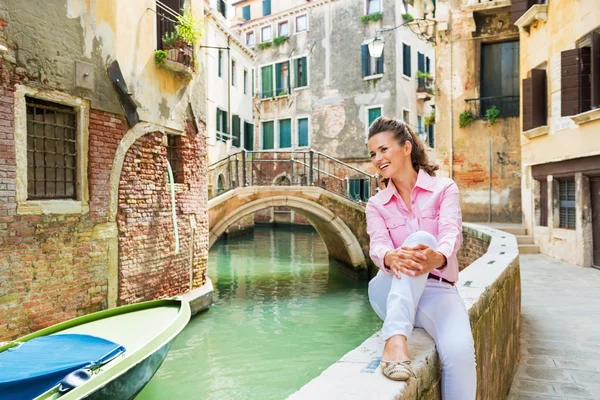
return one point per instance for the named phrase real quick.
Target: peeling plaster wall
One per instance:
(486, 158)
(337, 97)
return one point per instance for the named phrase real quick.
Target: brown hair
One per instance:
(402, 133)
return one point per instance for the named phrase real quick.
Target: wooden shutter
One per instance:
(595, 77)
(380, 64)
(543, 202)
(575, 81)
(304, 80)
(235, 130)
(248, 136)
(266, 7)
(527, 105)
(420, 62)
(539, 99)
(427, 64)
(246, 12)
(518, 8)
(365, 60)
(406, 59)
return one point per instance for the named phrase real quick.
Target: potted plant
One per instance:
(491, 114)
(179, 43)
(465, 118)
(430, 119)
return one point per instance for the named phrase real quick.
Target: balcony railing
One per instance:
(508, 106)
(290, 168)
(425, 85)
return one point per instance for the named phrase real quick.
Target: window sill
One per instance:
(406, 77)
(537, 12)
(43, 207)
(535, 132)
(300, 88)
(177, 67)
(373, 77)
(586, 117)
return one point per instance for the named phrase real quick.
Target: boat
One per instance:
(133, 341)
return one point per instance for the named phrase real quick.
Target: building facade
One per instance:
(560, 130)
(477, 87)
(92, 115)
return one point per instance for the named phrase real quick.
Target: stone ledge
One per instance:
(537, 12)
(201, 298)
(535, 132)
(490, 288)
(486, 5)
(587, 116)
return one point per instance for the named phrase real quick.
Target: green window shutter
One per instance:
(246, 12)
(278, 80)
(374, 113)
(248, 136)
(303, 132)
(267, 82)
(268, 140)
(235, 130)
(364, 56)
(304, 81)
(266, 7)
(420, 62)
(288, 83)
(406, 59)
(225, 119)
(285, 133)
(380, 63)
(297, 67)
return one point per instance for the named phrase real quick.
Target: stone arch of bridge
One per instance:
(342, 244)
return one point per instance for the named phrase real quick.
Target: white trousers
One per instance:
(438, 308)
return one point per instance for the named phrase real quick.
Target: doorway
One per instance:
(595, 200)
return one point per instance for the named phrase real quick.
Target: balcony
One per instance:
(507, 105)
(425, 87)
(487, 6)
(172, 52)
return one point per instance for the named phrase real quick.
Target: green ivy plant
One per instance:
(429, 119)
(421, 74)
(264, 45)
(279, 40)
(491, 114)
(408, 17)
(160, 56)
(365, 19)
(465, 118)
(188, 28)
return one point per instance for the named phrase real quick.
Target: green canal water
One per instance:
(281, 316)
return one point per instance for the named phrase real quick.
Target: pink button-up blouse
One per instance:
(435, 207)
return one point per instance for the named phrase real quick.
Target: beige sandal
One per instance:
(397, 370)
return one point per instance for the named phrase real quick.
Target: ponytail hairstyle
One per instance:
(402, 133)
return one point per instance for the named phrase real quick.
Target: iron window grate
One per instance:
(51, 150)
(567, 203)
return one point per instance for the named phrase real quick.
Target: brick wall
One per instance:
(474, 246)
(149, 267)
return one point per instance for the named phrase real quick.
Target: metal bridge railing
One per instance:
(290, 168)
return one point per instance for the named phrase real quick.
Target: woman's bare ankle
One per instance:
(395, 349)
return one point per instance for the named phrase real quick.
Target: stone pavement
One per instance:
(560, 331)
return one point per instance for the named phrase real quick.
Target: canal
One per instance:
(281, 315)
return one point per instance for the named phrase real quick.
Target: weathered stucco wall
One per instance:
(486, 159)
(491, 290)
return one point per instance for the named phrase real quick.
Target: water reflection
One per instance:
(281, 316)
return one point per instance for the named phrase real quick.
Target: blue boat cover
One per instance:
(39, 364)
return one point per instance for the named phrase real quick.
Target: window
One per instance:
(266, 34)
(285, 133)
(165, 22)
(302, 132)
(372, 115)
(534, 100)
(233, 72)
(420, 61)
(267, 82)
(373, 6)
(580, 76)
(221, 125)
(359, 189)
(220, 63)
(283, 29)
(370, 65)
(301, 23)
(250, 39)
(268, 137)
(248, 136)
(406, 116)
(300, 72)
(431, 136)
(245, 81)
(566, 193)
(222, 8)
(235, 131)
(246, 13)
(427, 65)
(500, 78)
(406, 59)
(51, 150)
(282, 78)
(266, 7)
(419, 125)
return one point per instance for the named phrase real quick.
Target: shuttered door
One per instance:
(285, 133)
(543, 202)
(595, 200)
(575, 75)
(248, 136)
(538, 88)
(268, 136)
(527, 105)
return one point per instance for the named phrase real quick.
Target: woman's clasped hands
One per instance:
(413, 260)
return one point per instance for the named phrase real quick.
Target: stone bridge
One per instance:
(340, 222)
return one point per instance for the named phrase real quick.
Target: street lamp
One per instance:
(421, 27)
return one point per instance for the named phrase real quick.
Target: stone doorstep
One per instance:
(201, 298)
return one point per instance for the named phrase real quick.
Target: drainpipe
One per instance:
(229, 119)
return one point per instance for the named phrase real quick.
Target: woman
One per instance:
(415, 228)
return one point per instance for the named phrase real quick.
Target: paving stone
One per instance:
(531, 386)
(570, 389)
(586, 377)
